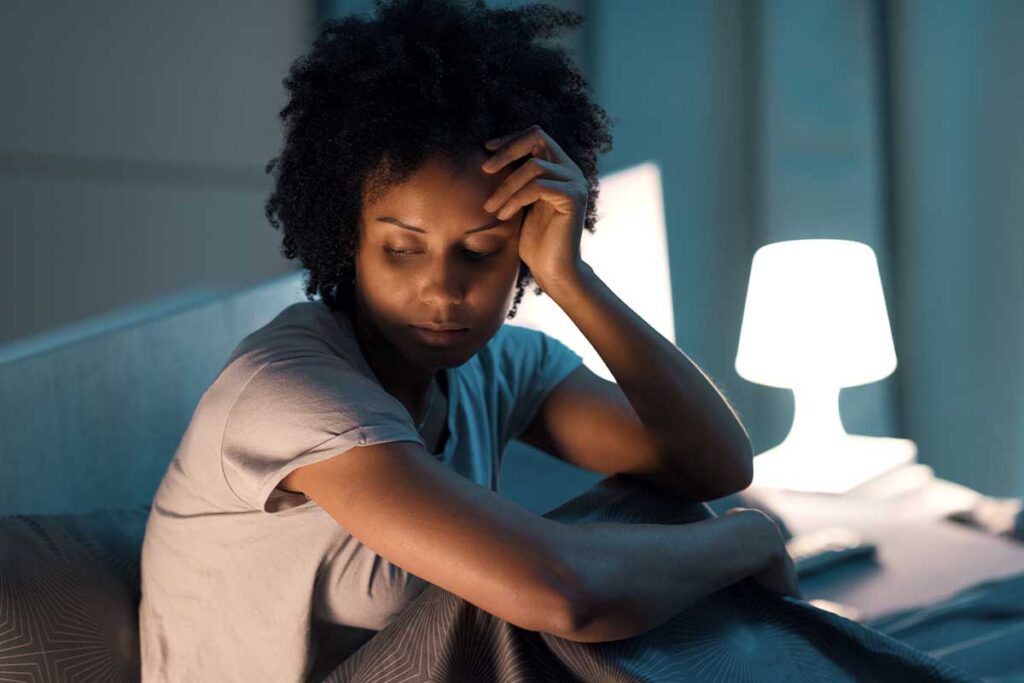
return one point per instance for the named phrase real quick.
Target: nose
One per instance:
(442, 285)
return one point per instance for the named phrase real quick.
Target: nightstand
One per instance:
(921, 557)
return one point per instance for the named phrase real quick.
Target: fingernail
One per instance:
(492, 143)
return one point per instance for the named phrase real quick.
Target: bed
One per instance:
(90, 416)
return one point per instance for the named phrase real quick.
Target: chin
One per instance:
(437, 357)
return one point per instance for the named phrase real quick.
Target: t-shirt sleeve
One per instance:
(543, 362)
(297, 412)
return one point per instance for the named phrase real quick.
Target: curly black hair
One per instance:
(375, 97)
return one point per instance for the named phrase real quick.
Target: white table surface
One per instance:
(921, 558)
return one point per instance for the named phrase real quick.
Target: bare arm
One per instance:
(700, 448)
(641, 575)
(588, 582)
(423, 517)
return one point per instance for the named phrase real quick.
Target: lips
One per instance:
(444, 327)
(437, 337)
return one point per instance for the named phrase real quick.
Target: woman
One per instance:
(438, 159)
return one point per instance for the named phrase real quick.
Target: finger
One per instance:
(556, 150)
(508, 137)
(496, 143)
(532, 141)
(533, 168)
(558, 193)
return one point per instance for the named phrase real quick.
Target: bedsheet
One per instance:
(979, 629)
(740, 633)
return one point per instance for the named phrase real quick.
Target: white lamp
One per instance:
(814, 322)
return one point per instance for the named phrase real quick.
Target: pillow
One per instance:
(69, 595)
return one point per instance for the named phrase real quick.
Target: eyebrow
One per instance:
(406, 226)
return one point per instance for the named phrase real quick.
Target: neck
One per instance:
(408, 383)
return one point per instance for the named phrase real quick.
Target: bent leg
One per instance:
(740, 633)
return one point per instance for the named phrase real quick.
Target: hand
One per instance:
(778, 574)
(555, 193)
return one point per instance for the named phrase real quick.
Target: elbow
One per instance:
(569, 619)
(734, 472)
(746, 459)
(743, 476)
(571, 613)
(745, 470)
(735, 477)
(741, 468)
(728, 464)
(584, 617)
(571, 602)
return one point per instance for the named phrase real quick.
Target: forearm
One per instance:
(638, 576)
(703, 437)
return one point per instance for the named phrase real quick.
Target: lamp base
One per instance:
(836, 468)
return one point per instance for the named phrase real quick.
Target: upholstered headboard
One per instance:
(91, 416)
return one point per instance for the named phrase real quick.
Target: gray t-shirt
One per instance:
(242, 581)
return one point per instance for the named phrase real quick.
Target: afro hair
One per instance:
(375, 97)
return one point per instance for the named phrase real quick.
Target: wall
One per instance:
(133, 139)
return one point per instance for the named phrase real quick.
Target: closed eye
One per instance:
(475, 255)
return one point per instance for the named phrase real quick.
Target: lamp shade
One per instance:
(815, 315)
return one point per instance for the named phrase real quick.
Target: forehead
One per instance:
(442, 182)
(441, 195)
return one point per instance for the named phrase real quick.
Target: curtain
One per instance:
(892, 123)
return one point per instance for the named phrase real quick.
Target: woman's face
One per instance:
(457, 267)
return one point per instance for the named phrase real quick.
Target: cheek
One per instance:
(500, 277)
(381, 272)
(380, 285)
(384, 288)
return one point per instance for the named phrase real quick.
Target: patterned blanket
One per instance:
(740, 633)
